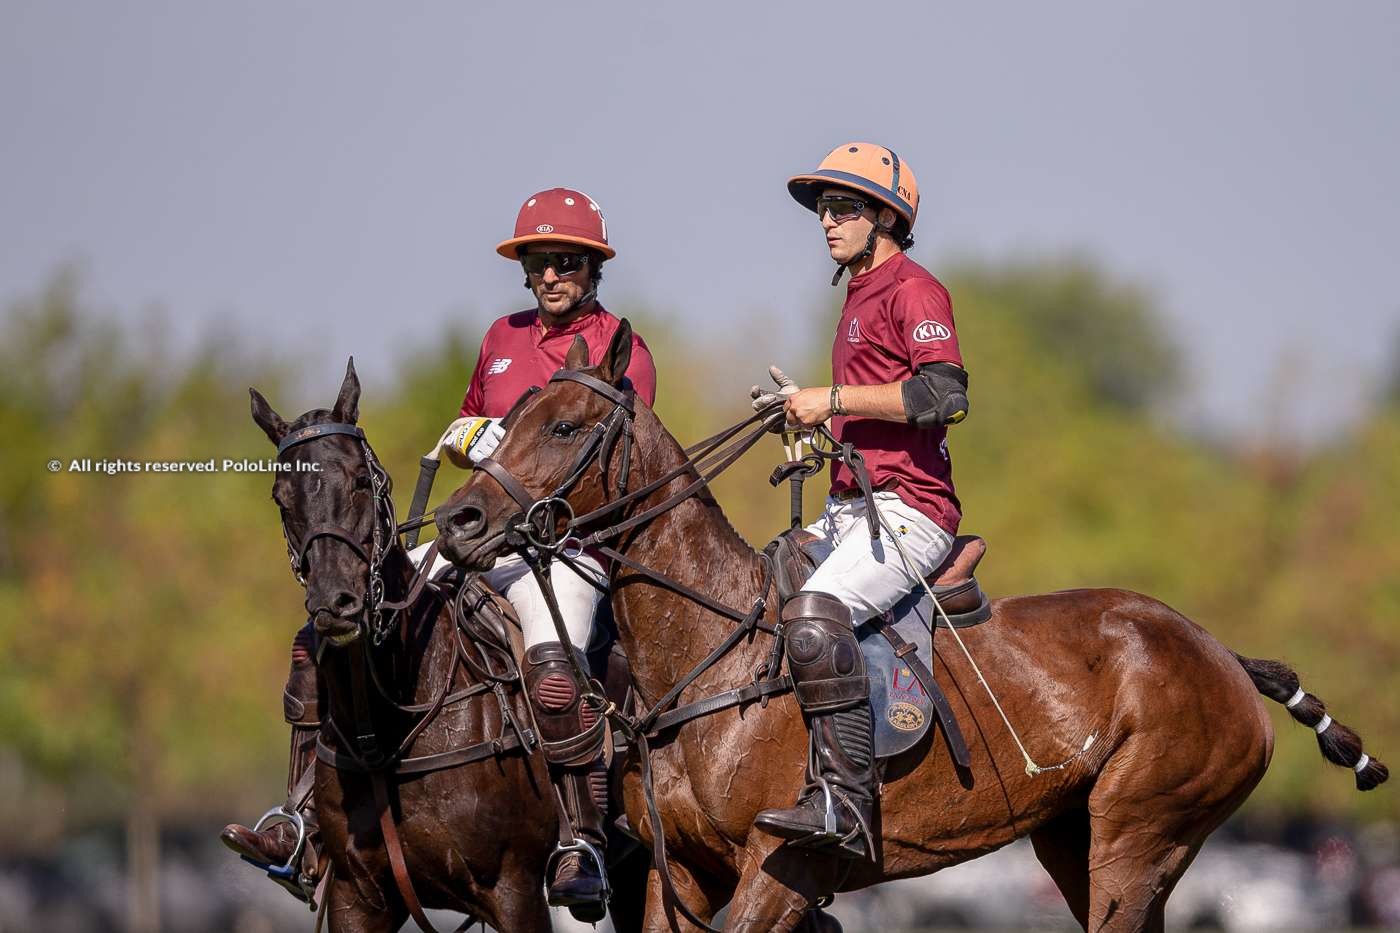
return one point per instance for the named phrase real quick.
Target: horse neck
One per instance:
(664, 633)
(410, 664)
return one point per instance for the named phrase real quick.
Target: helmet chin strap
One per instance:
(868, 251)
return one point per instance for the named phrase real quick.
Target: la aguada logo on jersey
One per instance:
(929, 331)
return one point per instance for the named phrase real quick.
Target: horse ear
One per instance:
(267, 419)
(347, 404)
(619, 354)
(577, 357)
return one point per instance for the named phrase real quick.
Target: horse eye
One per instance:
(362, 481)
(563, 429)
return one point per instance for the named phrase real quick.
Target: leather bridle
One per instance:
(539, 517)
(374, 621)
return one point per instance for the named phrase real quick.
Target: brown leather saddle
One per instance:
(953, 582)
(898, 646)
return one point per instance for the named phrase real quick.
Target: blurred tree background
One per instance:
(145, 619)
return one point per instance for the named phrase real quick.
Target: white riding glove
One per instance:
(762, 399)
(468, 440)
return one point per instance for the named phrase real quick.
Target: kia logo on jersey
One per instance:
(929, 331)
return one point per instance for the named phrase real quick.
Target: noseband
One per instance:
(383, 526)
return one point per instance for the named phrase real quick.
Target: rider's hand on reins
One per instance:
(763, 398)
(808, 408)
(468, 440)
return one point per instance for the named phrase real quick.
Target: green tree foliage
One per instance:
(1107, 331)
(136, 610)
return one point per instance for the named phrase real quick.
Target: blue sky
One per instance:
(317, 167)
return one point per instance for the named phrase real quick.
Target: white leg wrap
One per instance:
(1296, 698)
(1323, 724)
(1362, 763)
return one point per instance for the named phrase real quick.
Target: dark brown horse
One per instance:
(1161, 726)
(475, 837)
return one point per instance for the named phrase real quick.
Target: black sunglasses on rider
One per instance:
(563, 263)
(842, 208)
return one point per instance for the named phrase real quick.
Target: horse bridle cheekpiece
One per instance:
(541, 516)
(384, 526)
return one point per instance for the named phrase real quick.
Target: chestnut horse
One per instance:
(1161, 727)
(475, 836)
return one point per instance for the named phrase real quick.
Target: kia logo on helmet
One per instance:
(929, 331)
(545, 228)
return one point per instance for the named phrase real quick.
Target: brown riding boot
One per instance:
(287, 853)
(836, 804)
(572, 738)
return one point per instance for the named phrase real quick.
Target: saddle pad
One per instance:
(901, 708)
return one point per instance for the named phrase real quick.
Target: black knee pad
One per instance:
(568, 726)
(828, 670)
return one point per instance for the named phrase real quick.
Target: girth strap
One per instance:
(759, 690)
(424, 764)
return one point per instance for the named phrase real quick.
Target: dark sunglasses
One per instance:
(842, 208)
(563, 263)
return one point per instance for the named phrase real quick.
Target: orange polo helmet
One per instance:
(863, 167)
(559, 215)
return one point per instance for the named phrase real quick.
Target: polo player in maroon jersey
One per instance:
(898, 382)
(561, 242)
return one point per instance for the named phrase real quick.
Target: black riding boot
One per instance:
(828, 672)
(573, 745)
(288, 854)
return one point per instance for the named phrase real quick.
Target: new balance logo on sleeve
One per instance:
(499, 365)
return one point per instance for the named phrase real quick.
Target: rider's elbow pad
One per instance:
(936, 395)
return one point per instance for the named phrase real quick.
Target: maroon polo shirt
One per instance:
(518, 352)
(896, 317)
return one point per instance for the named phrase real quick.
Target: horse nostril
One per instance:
(468, 518)
(346, 604)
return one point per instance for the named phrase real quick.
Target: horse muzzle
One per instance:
(463, 537)
(336, 615)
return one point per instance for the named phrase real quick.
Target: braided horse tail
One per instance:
(1339, 744)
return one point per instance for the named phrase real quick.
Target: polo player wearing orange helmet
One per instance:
(561, 243)
(898, 382)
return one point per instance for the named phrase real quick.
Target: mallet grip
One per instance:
(427, 471)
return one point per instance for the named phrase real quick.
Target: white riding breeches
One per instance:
(869, 574)
(511, 577)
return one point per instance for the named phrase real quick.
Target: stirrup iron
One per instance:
(289, 876)
(587, 848)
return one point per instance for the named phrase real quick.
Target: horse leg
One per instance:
(687, 889)
(777, 886)
(348, 912)
(1062, 845)
(1149, 813)
(518, 904)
